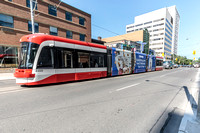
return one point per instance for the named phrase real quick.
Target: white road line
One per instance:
(163, 75)
(12, 91)
(169, 73)
(127, 87)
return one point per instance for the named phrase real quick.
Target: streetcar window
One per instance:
(27, 54)
(97, 60)
(83, 60)
(65, 58)
(46, 58)
(159, 63)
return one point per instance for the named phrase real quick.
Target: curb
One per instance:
(189, 123)
(6, 76)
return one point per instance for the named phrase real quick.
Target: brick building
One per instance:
(51, 17)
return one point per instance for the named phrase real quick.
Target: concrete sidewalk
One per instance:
(190, 123)
(6, 76)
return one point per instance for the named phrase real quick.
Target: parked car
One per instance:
(8, 61)
(175, 66)
(196, 65)
(167, 65)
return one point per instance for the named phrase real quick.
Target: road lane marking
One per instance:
(170, 73)
(11, 91)
(127, 87)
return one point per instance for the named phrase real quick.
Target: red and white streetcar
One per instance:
(159, 63)
(48, 59)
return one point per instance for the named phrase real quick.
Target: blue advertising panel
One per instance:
(114, 67)
(121, 62)
(140, 64)
(151, 60)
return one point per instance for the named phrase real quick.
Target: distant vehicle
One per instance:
(8, 60)
(159, 63)
(167, 65)
(175, 66)
(196, 65)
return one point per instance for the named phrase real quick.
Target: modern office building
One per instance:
(51, 17)
(141, 36)
(163, 27)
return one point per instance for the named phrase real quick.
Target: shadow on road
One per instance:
(173, 121)
(190, 98)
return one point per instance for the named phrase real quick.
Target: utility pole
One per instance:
(32, 16)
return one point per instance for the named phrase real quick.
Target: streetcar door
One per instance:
(109, 62)
(45, 71)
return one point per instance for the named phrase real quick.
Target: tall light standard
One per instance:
(32, 16)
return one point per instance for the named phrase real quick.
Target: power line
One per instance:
(105, 29)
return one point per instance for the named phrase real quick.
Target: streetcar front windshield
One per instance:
(28, 52)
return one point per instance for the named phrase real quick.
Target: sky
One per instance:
(114, 15)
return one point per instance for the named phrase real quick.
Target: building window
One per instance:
(34, 4)
(171, 20)
(36, 25)
(130, 27)
(69, 34)
(52, 10)
(82, 37)
(68, 16)
(81, 21)
(148, 22)
(6, 21)
(138, 25)
(53, 31)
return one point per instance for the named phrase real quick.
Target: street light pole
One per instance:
(32, 16)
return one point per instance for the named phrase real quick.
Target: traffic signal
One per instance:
(194, 52)
(163, 54)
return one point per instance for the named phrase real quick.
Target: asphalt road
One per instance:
(138, 103)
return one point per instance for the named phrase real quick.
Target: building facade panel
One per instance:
(18, 20)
